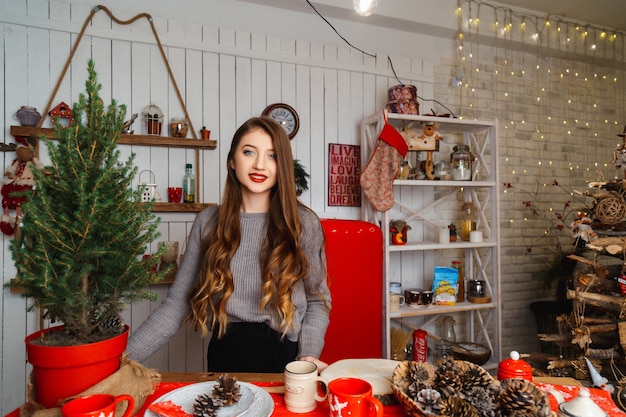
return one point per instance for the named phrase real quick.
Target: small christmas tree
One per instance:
(79, 256)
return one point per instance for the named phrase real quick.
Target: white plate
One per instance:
(254, 401)
(378, 372)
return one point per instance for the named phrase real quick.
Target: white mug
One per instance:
(395, 301)
(302, 387)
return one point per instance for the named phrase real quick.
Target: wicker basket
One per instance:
(401, 380)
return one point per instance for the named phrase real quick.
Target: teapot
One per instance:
(581, 406)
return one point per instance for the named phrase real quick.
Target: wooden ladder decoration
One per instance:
(95, 10)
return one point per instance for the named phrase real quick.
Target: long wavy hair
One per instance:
(282, 258)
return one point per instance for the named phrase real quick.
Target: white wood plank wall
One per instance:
(225, 77)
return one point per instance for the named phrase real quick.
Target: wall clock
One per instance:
(285, 115)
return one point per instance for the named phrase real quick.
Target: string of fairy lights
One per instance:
(555, 79)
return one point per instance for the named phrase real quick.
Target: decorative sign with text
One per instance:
(344, 169)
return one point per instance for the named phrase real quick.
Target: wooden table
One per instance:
(212, 376)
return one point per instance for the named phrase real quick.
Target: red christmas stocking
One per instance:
(377, 177)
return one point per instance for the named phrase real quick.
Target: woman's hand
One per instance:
(320, 365)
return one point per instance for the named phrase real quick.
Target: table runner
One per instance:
(601, 397)
(322, 409)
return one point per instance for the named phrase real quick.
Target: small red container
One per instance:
(420, 345)
(515, 368)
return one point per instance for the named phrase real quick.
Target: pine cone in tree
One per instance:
(457, 407)
(206, 406)
(227, 390)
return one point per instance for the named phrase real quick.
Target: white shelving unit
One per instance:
(428, 205)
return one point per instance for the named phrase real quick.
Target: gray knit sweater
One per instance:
(310, 320)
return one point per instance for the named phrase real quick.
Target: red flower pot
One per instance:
(64, 371)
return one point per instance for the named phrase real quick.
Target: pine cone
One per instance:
(457, 407)
(428, 400)
(422, 376)
(206, 406)
(521, 395)
(482, 399)
(476, 377)
(448, 364)
(448, 383)
(227, 390)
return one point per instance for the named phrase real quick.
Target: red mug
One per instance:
(352, 397)
(97, 405)
(174, 194)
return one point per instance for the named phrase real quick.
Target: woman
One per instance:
(254, 271)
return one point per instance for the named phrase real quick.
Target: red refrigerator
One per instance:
(354, 256)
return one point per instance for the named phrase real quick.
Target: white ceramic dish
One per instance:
(254, 401)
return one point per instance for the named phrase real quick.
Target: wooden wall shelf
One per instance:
(125, 139)
(182, 207)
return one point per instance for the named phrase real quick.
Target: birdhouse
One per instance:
(152, 119)
(63, 112)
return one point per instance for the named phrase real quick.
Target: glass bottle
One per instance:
(460, 295)
(461, 163)
(189, 185)
(468, 220)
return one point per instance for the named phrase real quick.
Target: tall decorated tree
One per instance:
(84, 230)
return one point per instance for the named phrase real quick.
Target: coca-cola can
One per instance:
(420, 345)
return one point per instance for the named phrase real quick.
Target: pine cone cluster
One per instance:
(462, 389)
(225, 393)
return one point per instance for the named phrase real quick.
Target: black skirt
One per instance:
(250, 347)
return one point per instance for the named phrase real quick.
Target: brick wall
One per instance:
(568, 136)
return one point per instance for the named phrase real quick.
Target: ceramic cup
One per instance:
(352, 397)
(395, 301)
(174, 194)
(413, 297)
(97, 405)
(302, 387)
(427, 298)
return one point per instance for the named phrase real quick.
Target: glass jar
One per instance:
(461, 163)
(468, 220)
(403, 171)
(442, 171)
(477, 289)
(447, 334)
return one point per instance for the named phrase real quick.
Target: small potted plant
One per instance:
(302, 182)
(79, 256)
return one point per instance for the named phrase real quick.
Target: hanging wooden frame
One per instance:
(148, 17)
